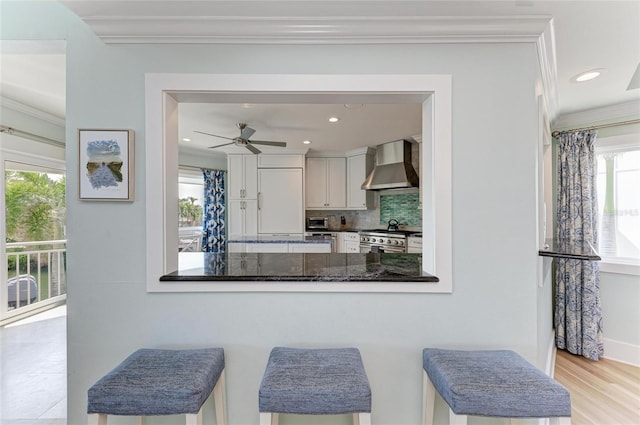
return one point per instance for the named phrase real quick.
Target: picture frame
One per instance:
(105, 165)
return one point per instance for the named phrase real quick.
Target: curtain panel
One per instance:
(213, 224)
(578, 313)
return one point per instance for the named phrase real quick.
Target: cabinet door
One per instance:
(242, 218)
(358, 168)
(235, 218)
(250, 176)
(235, 176)
(242, 176)
(336, 182)
(316, 183)
(251, 217)
(280, 208)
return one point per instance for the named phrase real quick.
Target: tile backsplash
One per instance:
(402, 207)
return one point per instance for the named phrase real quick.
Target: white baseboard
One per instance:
(622, 352)
(550, 366)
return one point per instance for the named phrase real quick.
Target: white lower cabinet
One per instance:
(310, 247)
(266, 247)
(349, 242)
(286, 247)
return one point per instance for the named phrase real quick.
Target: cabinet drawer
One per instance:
(351, 236)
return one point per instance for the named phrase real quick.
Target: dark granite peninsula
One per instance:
(300, 267)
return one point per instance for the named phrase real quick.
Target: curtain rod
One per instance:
(14, 131)
(595, 127)
(193, 167)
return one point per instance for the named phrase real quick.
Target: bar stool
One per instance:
(315, 382)
(490, 383)
(152, 382)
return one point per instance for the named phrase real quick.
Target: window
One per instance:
(619, 199)
(190, 209)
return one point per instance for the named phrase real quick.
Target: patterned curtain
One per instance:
(578, 314)
(213, 228)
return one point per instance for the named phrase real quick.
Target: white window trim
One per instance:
(161, 167)
(610, 144)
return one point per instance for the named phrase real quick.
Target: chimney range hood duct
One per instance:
(393, 168)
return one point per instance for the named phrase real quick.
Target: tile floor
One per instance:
(33, 370)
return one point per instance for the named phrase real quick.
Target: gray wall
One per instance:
(621, 316)
(494, 303)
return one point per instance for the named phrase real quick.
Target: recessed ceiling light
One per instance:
(247, 105)
(334, 119)
(186, 140)
(587, 75)
(306, 142)
(353, 105)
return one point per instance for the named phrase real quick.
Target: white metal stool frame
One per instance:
(220, 402)
(429, 398)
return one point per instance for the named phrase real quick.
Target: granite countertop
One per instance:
(270, 267)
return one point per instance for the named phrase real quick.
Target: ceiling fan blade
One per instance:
(252, 149)
(214, 135)
(224, 144)
(268, 143)
(246, 132)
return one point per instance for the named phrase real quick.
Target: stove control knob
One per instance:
(401, 242)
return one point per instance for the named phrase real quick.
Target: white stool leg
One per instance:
(220, 400)
(428, 398)
(563, 420)
(139, 420)
(457, 419)
(97, 418)
(268, 418)
(194, 418)
(356, 419)
(364, 418)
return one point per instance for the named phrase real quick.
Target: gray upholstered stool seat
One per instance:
(493, 383)
(153, 382)
(315, 382)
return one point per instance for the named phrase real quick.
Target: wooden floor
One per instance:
(602, 393)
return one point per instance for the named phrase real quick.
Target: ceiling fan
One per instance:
(243, 139)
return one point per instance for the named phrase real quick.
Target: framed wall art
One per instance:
(105, 165)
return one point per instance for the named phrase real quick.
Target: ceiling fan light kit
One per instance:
(243, 140)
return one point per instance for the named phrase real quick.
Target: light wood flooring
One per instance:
(602, 393)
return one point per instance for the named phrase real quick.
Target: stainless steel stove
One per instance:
(380, 240)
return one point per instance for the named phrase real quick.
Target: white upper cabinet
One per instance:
(243, 176)
(326, 183)
(359, 165)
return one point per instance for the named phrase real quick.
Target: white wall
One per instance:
(494, 303)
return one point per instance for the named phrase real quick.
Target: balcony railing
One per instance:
(36, 272)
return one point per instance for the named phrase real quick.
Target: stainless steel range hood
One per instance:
(393, 168)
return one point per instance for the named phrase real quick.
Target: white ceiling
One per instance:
(587, 35)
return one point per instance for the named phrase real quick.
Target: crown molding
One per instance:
(598, 116)
(316, 30)
(16, 106)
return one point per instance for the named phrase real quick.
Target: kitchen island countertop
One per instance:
(298, 267)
